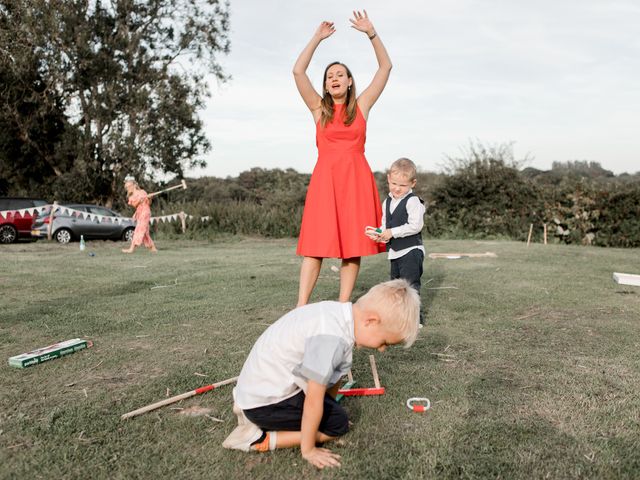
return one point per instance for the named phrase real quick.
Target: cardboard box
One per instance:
(51, 352)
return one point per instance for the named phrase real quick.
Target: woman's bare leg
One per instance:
(348, 276)
(309, 272)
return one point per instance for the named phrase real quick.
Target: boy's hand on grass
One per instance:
(322, 457)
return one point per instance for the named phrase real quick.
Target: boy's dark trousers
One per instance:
(409, 268)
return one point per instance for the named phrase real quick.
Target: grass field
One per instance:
(532, 363)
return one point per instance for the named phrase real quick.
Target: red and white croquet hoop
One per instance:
(418, 408)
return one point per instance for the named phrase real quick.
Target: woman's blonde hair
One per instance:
(398, 305)
(326, 104)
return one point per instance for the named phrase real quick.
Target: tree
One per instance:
(130, 77)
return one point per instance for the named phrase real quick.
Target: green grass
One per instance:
(532, 363)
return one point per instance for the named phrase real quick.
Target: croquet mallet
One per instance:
(358, 392)
(177, 398)
(182, 185)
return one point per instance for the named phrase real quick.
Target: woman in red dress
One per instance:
(342, 198)
(139, 199)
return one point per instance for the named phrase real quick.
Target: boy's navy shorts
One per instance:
(287, 416)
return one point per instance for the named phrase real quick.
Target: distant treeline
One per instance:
(484, 195)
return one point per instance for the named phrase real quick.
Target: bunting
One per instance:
(46, 210)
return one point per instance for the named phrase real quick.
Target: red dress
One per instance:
(342, 198)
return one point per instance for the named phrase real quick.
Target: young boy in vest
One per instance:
(402, 222)
(285, 396)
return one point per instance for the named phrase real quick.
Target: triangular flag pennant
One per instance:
(22, 212)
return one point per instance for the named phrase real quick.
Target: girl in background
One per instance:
(139, 199)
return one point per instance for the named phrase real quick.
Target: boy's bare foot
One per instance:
(127, 250)
(154, 250)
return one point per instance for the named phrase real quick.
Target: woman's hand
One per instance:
(362, 23)
(325, 30)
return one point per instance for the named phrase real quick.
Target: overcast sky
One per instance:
(559, 78)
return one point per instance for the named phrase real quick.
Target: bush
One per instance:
(485, 195)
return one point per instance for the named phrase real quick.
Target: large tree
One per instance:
(129, 77)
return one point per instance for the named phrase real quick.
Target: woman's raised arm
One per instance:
(370, 95)
(307, 92)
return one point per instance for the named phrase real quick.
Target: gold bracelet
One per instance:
(373, 36)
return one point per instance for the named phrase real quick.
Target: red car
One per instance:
(14, 225)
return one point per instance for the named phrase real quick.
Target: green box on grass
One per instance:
(44, 354)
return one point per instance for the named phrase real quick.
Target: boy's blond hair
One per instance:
(405, 167)
(398, 305)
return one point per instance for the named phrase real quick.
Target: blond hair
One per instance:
(398, 305)
(405, 167)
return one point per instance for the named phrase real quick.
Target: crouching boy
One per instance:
(285, 396)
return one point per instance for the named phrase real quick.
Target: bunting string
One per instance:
(46, 210)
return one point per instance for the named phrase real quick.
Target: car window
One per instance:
(101, 211)
(19, 203)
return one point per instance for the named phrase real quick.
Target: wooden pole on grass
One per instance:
(545, 233)
(177, 398)
(530, 232)
(50, 224)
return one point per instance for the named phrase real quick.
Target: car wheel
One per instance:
(8, 234)
(127, 236)
(63, 235)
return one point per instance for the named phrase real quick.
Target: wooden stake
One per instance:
(374, 370)
(184, 226)
(545, 233)
(177, 398)
(530, 232)
(50, 224)
(350, 376)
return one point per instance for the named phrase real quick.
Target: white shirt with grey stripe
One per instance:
(313, 342)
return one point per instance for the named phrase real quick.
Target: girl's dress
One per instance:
(142, 203)
(342, 198)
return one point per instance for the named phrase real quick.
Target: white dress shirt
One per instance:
(415, 222)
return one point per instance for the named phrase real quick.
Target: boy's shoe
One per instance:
(242, 437)
(244, 434)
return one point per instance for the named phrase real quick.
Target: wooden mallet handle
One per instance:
(374, 371)
(183, 185)
(177, 398)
